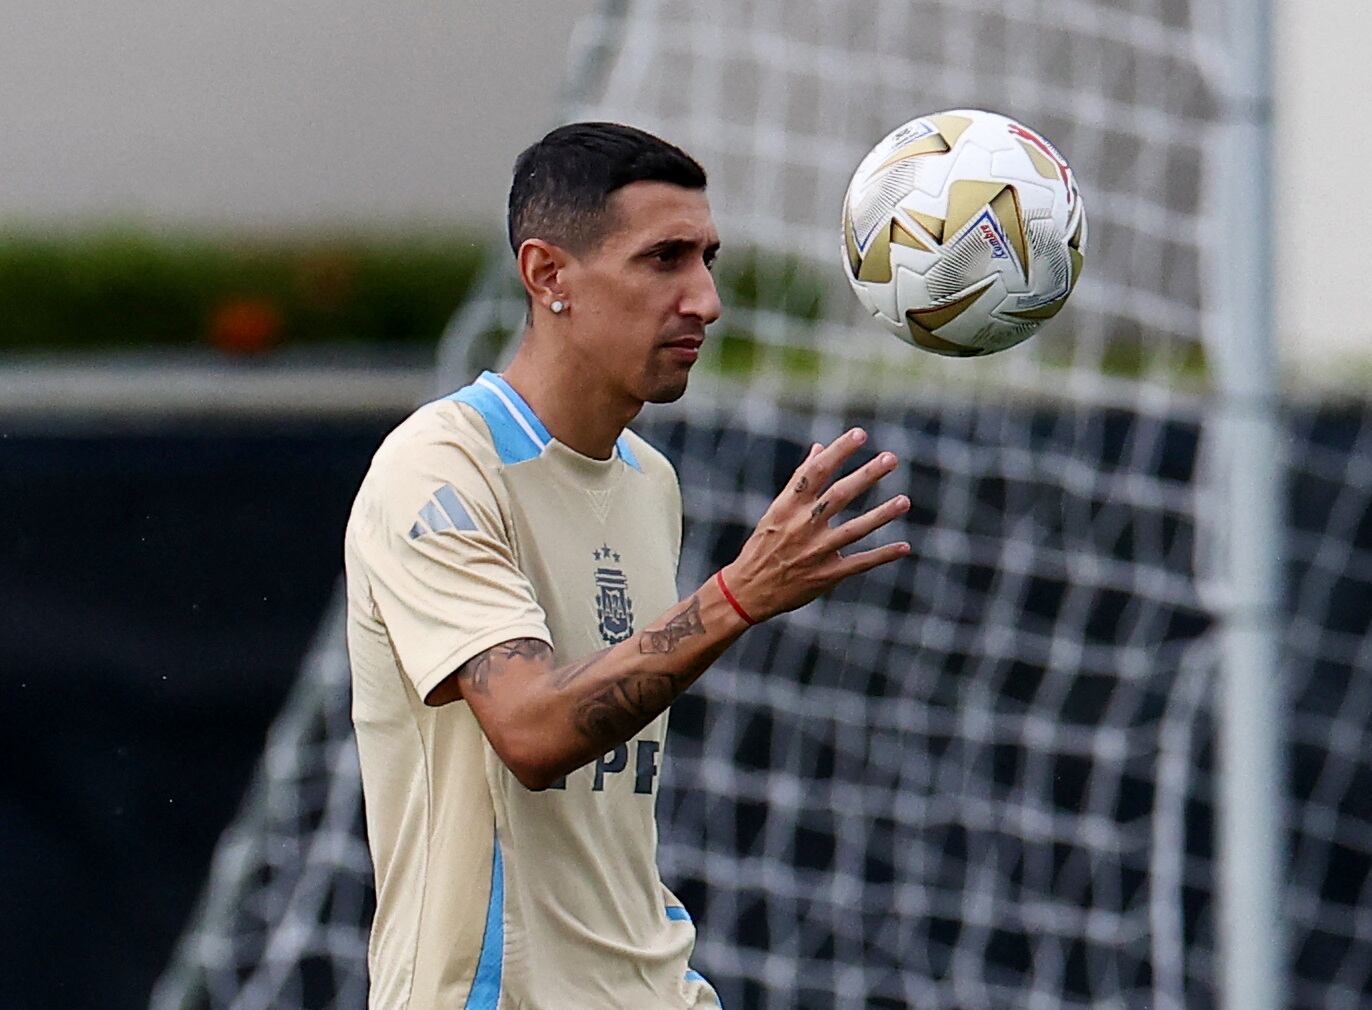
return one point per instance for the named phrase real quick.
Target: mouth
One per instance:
(686, 349)
(689, 342)
(686, 342)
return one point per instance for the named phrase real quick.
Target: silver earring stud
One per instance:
(558, 306)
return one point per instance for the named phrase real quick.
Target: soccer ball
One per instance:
(963, 232)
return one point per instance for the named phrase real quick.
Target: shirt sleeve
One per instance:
(441, 567)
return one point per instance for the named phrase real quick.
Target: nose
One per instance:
(701, 298)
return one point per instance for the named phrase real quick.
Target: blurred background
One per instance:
(232, 238)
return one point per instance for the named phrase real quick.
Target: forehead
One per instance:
(649, 211)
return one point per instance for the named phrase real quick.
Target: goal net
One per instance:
(982, 777)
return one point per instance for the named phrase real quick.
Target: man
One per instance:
(514, 627)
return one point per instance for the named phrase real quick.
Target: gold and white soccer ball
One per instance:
(963, 232)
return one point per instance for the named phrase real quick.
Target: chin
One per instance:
(667, 391)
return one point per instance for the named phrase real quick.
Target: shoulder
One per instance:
(439, 435)
(650, 461)
(442, 443)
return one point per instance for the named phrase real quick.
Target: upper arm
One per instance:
(475, 678)
(498, 684)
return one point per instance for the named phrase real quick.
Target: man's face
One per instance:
(641, 300)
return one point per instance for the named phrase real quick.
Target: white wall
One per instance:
(263, 113)
(1324, 168)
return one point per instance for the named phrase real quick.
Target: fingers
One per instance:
(801, 480)
(855, 529)
(793, 551)
(844, 491)
(820, 465)
(865, 561)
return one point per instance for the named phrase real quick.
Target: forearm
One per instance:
(554, 719)
(560, 717)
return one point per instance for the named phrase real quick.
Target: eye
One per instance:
(666, 258)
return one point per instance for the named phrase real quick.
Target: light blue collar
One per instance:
(516, 430)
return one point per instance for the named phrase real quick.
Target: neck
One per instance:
(577, 411)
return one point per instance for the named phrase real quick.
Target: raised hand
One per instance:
(794, 554)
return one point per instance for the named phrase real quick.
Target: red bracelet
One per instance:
(719, 578)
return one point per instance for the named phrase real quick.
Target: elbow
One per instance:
(530, 760)
(535, 776)
(535, 779)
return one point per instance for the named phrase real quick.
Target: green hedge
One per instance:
(117, 290)
(114, 290)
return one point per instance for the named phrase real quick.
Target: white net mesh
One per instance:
(982, 777)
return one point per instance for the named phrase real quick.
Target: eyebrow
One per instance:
(675, 245)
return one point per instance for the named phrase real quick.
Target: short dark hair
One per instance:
(562, 184)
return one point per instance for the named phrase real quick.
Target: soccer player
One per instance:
(513, 621)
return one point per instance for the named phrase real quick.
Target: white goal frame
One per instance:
(1251, 498)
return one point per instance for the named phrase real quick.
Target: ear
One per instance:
(541, 268)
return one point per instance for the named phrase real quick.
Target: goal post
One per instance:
(1249, 474)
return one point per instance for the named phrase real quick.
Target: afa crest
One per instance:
(613, 605)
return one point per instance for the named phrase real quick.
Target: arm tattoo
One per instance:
(666, 638)
(618, 710)
(476, 673)
(621, 709)
(820, 508)
(563, 676)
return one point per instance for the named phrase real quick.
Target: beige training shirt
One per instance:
(472, 527)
